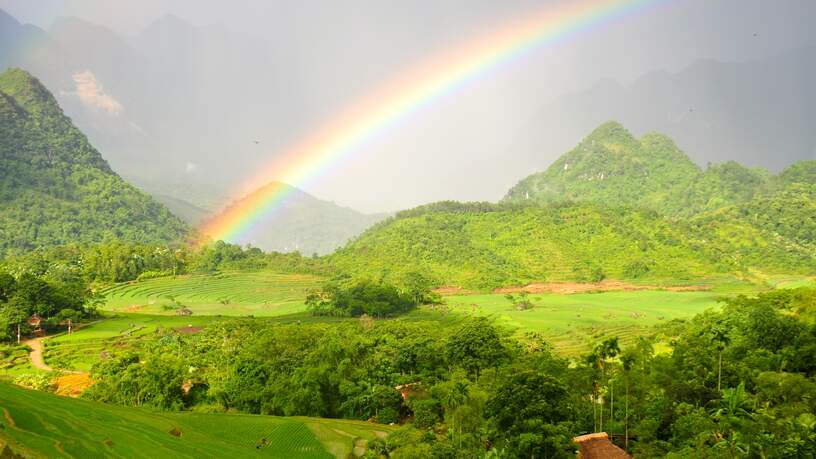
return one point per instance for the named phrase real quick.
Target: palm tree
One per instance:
(721, 339)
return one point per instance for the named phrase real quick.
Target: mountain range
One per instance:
(617, 206)
(155, 103)
(610, 166)
(168, 104)
(757, 113)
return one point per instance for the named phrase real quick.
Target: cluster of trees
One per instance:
(55, 301)
(347, 297)
(118, 261)
(737, 383)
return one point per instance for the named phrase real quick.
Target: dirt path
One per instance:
(36, 354)
(569, 288)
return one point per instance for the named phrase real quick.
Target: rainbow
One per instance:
(424, 85)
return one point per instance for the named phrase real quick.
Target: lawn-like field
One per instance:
(39, 424)
(572, 323)
(228, 293)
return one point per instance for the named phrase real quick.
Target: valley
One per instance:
(629, 294)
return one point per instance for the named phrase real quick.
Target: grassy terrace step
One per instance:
(40, 424)
(231, 293)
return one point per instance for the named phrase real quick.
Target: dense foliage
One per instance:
(356, 297)
(118, 261)
(740, 382)
(55, 188)
(54, 298)
(484, 245)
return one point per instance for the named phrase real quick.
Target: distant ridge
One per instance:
(611, 167)
(304, 223)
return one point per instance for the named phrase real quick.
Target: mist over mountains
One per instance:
(757, 113)
(177, 104)
(164, 104)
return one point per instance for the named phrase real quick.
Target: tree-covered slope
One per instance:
(304, 223)
(55, 187)
(611, 167)
(786, 217)
(485, 246)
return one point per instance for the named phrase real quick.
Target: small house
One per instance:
(34, 321)
(184, 312)
(598, 445)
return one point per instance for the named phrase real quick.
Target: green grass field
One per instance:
(572, 323)
(229, 294)
(39, 424)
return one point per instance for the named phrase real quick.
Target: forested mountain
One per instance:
(615, 206)
(56, 187)
(612, 167)
(484, 245)
(153, 102)
(305, 223)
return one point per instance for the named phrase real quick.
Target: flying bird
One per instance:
(256, 142)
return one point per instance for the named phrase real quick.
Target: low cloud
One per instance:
(93, 95)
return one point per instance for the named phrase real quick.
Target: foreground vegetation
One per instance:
(736, 382)
(37, 424)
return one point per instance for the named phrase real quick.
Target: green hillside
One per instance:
(612, 167)
(55, 187)
(787, 217)
(485, 246)
(189, 213)
(39, 424)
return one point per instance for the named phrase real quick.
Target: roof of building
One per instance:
(598, 446)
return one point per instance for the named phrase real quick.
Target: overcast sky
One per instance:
(334, 52)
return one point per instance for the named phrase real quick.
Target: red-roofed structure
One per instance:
(598, 446)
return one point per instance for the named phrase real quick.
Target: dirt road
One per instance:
(36, 354)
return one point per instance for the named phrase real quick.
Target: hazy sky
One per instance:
(334, 52)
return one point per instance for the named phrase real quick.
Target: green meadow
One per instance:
(573, 322)
(39, 424)
(230, 293)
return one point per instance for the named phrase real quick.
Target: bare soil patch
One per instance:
(451, 290)
(188, 330)
(569, 288)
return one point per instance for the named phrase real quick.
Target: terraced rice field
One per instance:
(39, 424)
(573, 323)
(229, 293)
(81, 349)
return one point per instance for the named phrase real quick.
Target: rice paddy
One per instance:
(573, 323)
(39, 424)
(228, 294)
